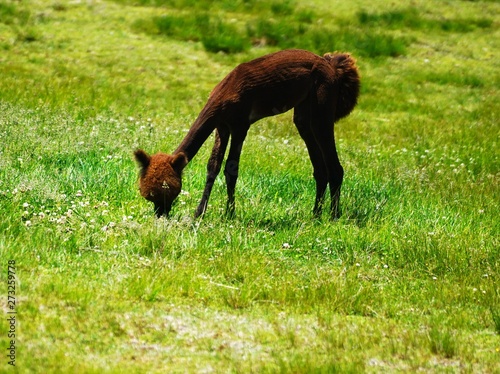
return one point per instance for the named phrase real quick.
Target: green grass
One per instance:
(413, 19)
(281, 25)
(407, 280)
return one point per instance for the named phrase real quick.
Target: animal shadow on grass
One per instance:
(276, 223)
(362, 206)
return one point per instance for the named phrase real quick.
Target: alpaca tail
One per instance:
(347, 79)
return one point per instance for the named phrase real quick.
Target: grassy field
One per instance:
(407, 280)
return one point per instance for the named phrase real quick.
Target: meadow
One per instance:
(408, 279)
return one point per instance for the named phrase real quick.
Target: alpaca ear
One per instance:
(142, 158)
(179, 162)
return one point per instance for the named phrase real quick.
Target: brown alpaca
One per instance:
(320, 89)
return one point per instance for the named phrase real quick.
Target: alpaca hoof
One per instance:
(336, 216)
(230, 211)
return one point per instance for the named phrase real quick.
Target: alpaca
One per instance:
(321, 90)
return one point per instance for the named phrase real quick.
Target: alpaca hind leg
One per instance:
(302, 120)
(324, 135)
(213, 167)
(232, 167)
(335, 186)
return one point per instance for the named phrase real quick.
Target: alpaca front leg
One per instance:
(213, 167)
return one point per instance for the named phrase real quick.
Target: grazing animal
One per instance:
(321, 90)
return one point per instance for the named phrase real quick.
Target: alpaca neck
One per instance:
(199, 132)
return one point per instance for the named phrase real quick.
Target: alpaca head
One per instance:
(160, 178)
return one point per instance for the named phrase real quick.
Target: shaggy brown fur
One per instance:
(160, 178)
(320, 89)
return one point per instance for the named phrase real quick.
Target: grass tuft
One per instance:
(224, 37)
(442, 342)
(13, 14)
(495, 314)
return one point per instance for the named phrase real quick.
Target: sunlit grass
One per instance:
(406, 280)
(287, 31)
